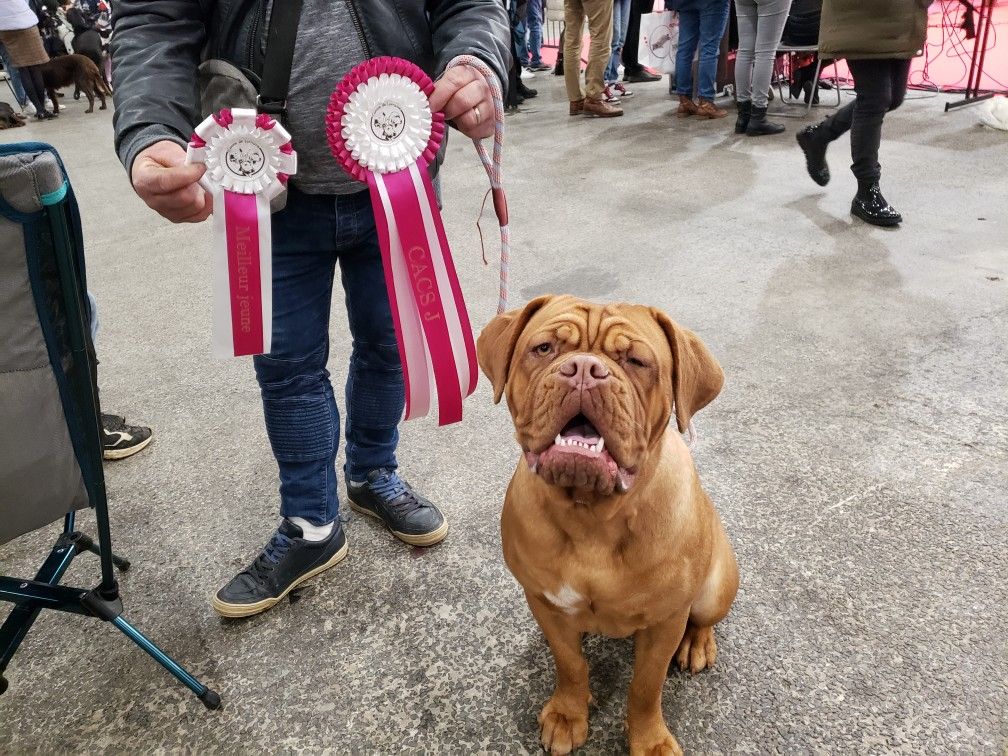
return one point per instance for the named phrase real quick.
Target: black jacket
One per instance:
(157, 46)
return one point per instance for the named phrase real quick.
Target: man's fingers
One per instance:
(160, 180)
(189, 196)
(453, 79)
(481, 129)
(472, 94)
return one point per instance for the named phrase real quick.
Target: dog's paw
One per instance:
(659, 743)
(697, 649)
(562, 727)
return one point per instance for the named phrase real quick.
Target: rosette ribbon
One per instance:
(382, 131)
(248, 158)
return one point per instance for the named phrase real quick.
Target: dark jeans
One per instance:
(704, 29)
(309, 236)
(880, 86)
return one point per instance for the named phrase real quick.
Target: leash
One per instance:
(492, 164)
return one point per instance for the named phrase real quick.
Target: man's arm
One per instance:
(471, 27)
(156, 49)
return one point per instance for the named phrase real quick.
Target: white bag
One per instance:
(659, 40)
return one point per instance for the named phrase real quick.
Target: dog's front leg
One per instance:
(563, 721)
(653, 650)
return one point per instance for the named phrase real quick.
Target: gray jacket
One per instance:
(157, 46)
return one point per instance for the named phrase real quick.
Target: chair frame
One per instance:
(789, 51)
(78, 384)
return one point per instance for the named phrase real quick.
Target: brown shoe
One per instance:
(596, 106)
(707, 109)
(686, 107)
(577, 107)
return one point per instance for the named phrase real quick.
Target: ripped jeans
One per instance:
(310, 236)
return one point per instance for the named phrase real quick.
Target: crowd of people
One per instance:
(34, 31)
(877, 44)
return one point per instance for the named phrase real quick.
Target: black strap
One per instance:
(284, 19)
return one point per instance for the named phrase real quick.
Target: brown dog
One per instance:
(605, 524)
(80, 70)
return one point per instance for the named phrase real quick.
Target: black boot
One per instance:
(744, 110)
(760, 126)
(813, 142)
(870, 206)
(524, 92)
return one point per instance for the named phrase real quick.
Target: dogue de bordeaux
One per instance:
(80, 70)
(605, 524)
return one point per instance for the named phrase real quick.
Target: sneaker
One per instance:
(29, 109)
(621, 90)
(387, 497)
(609, 94)
(120, 440)
(540, 66)
(287, 561)
(527, 74)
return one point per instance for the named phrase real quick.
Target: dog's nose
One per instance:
(584, 371)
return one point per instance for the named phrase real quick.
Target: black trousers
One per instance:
(880, 86)
(631, 65)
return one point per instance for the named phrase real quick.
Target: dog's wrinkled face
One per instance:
(592, 387)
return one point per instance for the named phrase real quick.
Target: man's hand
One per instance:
(169, 186)
(465, 97)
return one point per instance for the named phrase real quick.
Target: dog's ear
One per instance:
(496, 344)
(697, 377)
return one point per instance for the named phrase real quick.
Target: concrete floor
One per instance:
(858, 456)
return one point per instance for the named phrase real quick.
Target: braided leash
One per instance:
(492, 164)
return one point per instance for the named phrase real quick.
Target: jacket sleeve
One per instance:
(471, 27)
(156, 49)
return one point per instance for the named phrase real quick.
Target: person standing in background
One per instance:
(600, 30)
(534, 25)
(760, 25)
(20, 35)
(17, 87)
(614, 88)
(878, 40)
(701, 24)
(633, 71)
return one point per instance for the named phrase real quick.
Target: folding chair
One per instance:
(50, 447)
(780, 74)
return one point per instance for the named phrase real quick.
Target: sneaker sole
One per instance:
(235, 611)
(424, 539)
(113, 454)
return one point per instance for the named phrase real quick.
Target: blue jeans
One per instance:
(621, 22)
(302, 421)
(534, 22)
(15, 77)
(703, 28)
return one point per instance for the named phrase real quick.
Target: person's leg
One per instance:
(31, 78)
(689, 37)
(873, 85)
(534, 22)
(302, 420)
(15, 78)
(612, 67)
(712, 27)
(899, 77)
(747, 13)
(600, 32)
(574, 16)
(772, 14)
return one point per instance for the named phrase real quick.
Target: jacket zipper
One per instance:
(355, 17)
(254, 35)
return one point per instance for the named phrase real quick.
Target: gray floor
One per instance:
(858, 456)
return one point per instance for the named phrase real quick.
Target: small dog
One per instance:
(605, 524)
(76, 69)
(10, 118)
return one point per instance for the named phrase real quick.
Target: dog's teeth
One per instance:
(559, 440)
(600, 445)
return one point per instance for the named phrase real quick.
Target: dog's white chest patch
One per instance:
(566, 599)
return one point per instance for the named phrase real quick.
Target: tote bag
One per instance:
(659, 40)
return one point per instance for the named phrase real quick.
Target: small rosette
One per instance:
(244, 152)
(379, 118)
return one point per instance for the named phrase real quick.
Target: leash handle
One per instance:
(492, 163)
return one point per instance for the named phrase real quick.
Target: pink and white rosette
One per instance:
(382, 131)
(248, 158)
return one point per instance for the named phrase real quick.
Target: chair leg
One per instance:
(815, 85)
(209, 697)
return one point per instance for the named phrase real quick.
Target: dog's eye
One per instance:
(544, 348)
(636, 363)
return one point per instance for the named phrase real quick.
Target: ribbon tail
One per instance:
(405, 316)
(242, 276)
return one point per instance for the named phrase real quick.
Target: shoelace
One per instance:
(275, 550)
(393, 490)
